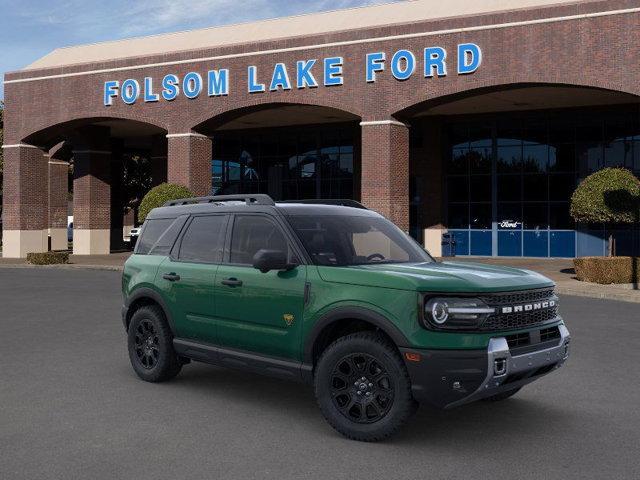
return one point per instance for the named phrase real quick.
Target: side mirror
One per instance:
(266, 260)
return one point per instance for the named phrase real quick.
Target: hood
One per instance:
(451, 277)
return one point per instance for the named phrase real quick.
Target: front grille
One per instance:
(511, 298)
(515, 320)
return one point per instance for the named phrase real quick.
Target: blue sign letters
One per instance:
(432, 61)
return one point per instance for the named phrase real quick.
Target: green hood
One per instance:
(437, 277)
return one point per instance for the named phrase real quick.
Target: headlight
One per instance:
(455, 313)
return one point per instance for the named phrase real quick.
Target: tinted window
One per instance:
(342, 240)
(168, 238)
(204, 239)
(151, 232)
(253, 233)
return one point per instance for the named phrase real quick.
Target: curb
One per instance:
(603, 295)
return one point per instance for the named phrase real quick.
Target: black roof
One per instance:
(259, 203)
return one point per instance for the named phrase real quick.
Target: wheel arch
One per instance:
(142, 297)
(331, 322)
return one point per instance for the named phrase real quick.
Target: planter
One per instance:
(607, 270)
(48, 258)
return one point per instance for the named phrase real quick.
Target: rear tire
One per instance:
(363, 388)
(502, 396)
(150, 345)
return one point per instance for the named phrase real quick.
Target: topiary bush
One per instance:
(159, 195)
(611, 195)
(48, 258)
(607, 270)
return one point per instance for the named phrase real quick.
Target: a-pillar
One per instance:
(58, 192)
(25, 209)
(158, 160)
(385, 169)
(92, 193)
(189, 161)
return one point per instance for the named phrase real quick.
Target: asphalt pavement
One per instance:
(72, 408)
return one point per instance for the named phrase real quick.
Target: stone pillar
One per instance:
(24, 206)
(158, 160)
(92, 192)
(58, 192)
(385, 170)
(189, 161)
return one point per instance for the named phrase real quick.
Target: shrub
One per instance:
(158, 196)
(607, 270)
(611, 195)
(48, 258)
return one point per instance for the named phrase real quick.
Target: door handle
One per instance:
(232, 282)
(172, 277)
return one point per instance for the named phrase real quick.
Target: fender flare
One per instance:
(146, 292)
(355, 313)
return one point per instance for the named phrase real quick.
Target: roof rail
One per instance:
(257, 199)
(340, 202)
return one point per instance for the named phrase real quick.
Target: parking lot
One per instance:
(71, 407)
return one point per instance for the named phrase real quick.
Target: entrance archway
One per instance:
(289, 151)
(113, 162)
(497, 167)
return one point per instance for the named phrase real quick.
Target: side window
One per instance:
(168, 238)
(151, 232)
(252, 233)
(204, 239)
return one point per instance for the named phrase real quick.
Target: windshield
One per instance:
(340, 241)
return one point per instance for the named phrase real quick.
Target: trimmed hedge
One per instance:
(607, 270)
(158, 196)
(611, 195)
(48, 258)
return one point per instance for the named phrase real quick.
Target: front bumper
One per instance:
(449, 378)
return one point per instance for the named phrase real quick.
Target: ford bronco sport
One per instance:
(335, 295)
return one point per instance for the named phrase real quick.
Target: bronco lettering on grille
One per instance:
(529, 307)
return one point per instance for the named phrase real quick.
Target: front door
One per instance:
(187, 277)
(259, 312)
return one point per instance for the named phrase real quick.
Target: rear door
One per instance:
(187, 277)
(259, 312)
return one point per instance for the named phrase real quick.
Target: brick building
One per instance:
(474, 117)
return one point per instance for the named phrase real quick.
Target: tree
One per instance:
(161, 194)
(611, 195)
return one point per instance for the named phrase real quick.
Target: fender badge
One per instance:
(288, 318)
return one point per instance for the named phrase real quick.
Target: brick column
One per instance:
(91, 191)
(58, 191)
(385, 170)
(158, 160)
(189, 161)
(25, 210)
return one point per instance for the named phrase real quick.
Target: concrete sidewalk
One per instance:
(560, 270)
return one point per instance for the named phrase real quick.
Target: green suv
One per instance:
(335, 295)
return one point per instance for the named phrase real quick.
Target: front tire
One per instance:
(150, 345)
(363, 388)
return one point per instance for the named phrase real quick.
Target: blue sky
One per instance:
(30, 29)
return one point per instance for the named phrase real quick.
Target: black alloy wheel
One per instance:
(361, 388)
(150, 345)
(146, 344)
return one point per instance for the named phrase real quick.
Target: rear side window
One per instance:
(204, 239)
(151, 232)
(168, 238)
(252, 233)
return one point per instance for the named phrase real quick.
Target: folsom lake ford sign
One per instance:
(308, 73)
